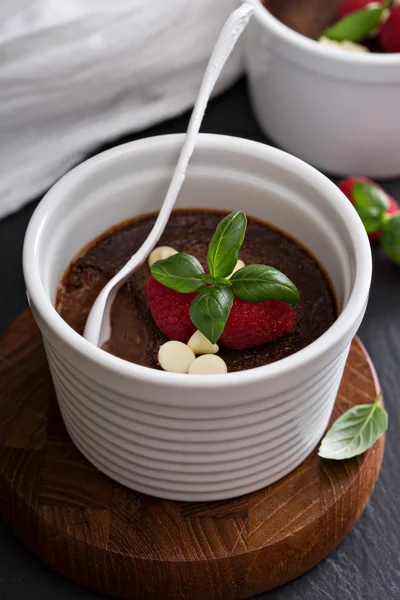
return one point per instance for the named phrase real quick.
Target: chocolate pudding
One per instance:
(136, 338)
(308, 17)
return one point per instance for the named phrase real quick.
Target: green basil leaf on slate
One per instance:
(355, 431)
(390, 238)
(371, 204)
(258, 283)
(356, 26)
(210, 310)
(180, 272)
(225, 245)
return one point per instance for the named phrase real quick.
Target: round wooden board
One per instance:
(132, 546)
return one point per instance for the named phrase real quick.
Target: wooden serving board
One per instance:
(132, 546)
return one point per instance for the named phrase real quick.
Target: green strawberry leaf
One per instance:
(355, 431)
(258, 283)
(371, 204)
(225, 245)
(210, 310)
(356, 26)
(390, 238)
(180, 272)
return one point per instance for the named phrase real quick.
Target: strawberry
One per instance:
(251, 309)
(390, 31)
(170, 310)
(250, 325)
(346, 186)
(349, 6)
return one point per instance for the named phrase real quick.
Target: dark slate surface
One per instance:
(366, 566)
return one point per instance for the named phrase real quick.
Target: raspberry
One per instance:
(349, 6)
(170, 310)
(346, 186)
(250, 325)
(390, 31)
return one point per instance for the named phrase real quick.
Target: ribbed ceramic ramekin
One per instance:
(196, 437)
(337, 110)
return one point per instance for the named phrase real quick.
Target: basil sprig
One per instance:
(355, 431)
(356, 26)
(210, 310)
(371, 204)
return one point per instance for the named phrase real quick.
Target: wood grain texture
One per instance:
(132, 546)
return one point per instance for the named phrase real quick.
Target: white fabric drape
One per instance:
(75, 73)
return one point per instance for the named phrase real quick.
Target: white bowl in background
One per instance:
(337, 110)
(192, 437)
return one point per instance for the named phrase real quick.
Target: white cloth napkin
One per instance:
(75, 73)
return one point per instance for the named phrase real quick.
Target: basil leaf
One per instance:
(225, 245)
(258, 283)
(356, 26)
(210, 310)
(371, 204)
(390, 238)
(180, 272)
(222, 281)
(355, 431)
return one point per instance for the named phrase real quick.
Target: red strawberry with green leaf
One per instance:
(248, 325)
(250, 308)
(349, 6)
(370, 201)
(359, 19)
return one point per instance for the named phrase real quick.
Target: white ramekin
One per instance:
(196, 437)
(337, 110)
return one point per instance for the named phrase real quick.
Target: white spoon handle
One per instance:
(97, 329)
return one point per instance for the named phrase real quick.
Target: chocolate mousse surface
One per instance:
(136, 338)
(308, 17)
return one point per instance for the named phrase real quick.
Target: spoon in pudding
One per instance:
(98, 326)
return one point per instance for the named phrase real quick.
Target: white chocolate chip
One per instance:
(239, 265)
(353, 47)
(327, 42)
(160, 253)
(208, 364)
(201, 345)
(175, 357)
(345, 45)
